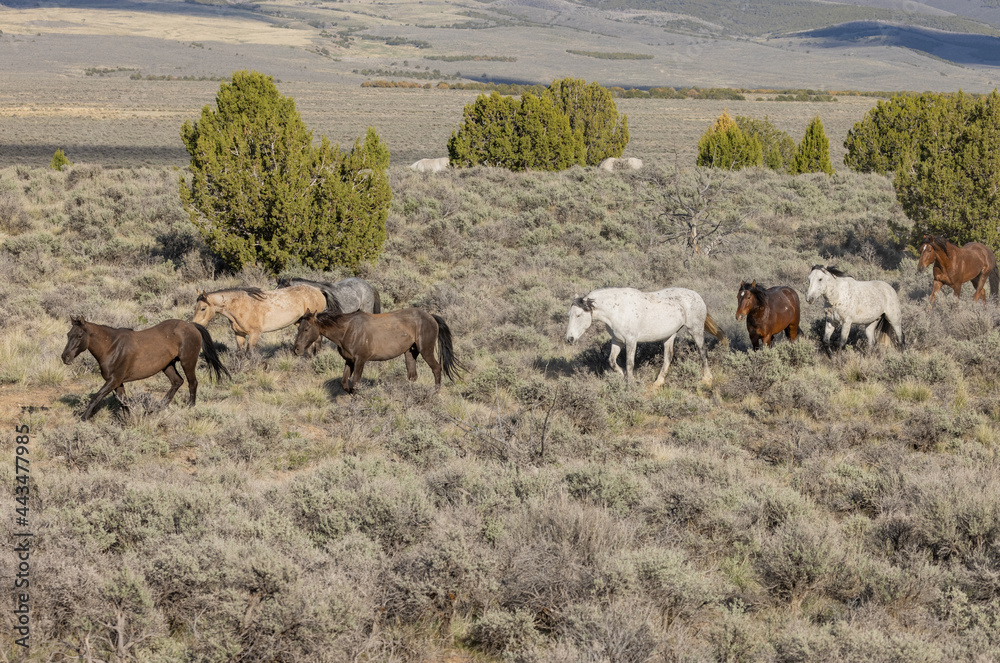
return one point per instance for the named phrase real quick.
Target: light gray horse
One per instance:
(345, 296)
(871, 303)
(632, 316)
(430, 165)
(611, 164)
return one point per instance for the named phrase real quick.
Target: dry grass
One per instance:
(804, 508)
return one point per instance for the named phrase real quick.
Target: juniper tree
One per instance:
(261, 192)
(592, 111)
(724, 145)
(813, 153)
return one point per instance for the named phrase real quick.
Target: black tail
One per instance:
(452, 367)
(884, 329)
(377, 306)
(995, 282)
(211, 356)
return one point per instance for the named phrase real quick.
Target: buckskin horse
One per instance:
(768, 312)
(362, 337)
(125, 355)
(954, 265)
(252, 312)
(633, 316)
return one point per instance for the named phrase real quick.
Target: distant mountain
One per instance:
(764, 18)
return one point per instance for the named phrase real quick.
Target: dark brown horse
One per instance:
(954, 265)
(125, 355)
(768, 312)
(363, 337)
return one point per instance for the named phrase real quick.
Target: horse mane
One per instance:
(586, 303)
(332, 305)
(327, 317)
(941, 242)
(255, 293)
(832, 269)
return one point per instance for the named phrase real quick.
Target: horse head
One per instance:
(929, 248)
(307, 334)
(746, 299)
(76, 339)
(820, 278)
(580, 318)
(204, 310)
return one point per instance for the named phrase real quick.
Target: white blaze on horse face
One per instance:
(817, 279)
(579, 322)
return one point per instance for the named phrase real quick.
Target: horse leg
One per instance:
(934, 291)
(699, 341)
(189, 365)
(175, 383)
(870, 334)
(768, 340)
(958, 290)
(845, 332)
(613, 357)
(317, 345)
(241, 342)
(979, 283)
(252, 339)
(359, 367)
(754, 339)
(792, 331)
(828, 333)
(427, 352)
(111, 385)
(629, 359)
(410, 356)
(122, 398)
(668, 356)
(348, 370)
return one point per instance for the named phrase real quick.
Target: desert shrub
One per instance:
(813, 153)
(724, 145)
(310, 204)
(616, 491)
(673, 584)
(736, 638)
(59, 160)
(511, 635)
(617, 632)
(798, 557)
(759, 372)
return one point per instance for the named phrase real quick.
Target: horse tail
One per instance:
(995, 282)
(211, 356)
(452, 367)
(885, 331)
(377, 305)
(713, 328)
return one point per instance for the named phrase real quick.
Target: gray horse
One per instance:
(870, 303)
(632, 316)
(345, 296)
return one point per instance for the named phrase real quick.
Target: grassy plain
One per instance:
(120, 122)
(801, 509)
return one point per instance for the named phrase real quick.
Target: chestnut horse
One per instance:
(361, 337)
(768, 312)
(251, 311)
(125, 355)
(954, 265)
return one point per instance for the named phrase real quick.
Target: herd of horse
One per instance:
(349, 313)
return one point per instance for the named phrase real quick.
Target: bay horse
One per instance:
(362, 337)
(954, 265)
(124, 355)
(632, 316)
(768, 312)
(871, 303)
(252, 312)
